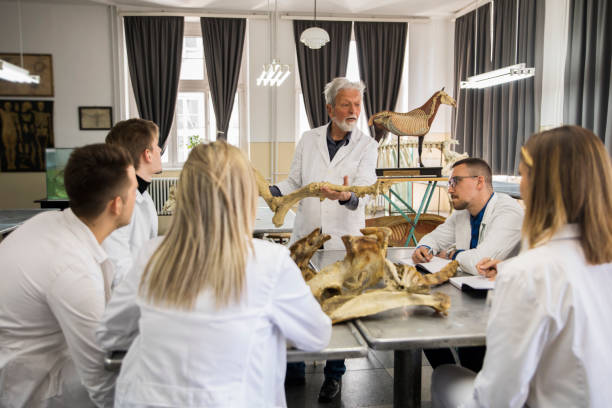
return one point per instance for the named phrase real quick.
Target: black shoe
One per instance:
(330, 389)
(295, 380)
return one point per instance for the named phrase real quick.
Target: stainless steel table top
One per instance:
(263, 220)
(11, 219)
(346, 342)
(419, 326)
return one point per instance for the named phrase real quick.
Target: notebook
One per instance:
(472, 282)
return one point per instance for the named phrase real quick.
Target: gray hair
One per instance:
(337, 84)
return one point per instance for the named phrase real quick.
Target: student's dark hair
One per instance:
(477, 167)
(94, 175)
(135, 135)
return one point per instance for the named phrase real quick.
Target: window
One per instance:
(194, 114)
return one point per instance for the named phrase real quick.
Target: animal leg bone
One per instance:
(281, 205)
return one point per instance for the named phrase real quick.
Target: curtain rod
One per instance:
(194, 13)
(469, 8)
(356, 17)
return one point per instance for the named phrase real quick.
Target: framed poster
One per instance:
(95, 117)
(26, 130)
(37, 64)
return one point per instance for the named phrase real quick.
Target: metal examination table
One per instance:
(408, 330)
(346, 342)
(263, 220)
(11, 219)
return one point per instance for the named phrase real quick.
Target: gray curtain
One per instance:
(318, 67)
(502, 116)
(223, 40)
(380, 52)
(154, 48)
(472, 56)
(513, 109)
(588, 68)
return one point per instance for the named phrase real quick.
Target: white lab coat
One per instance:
(55, 282)
(499, 236)
(549, 330)
(357, 160)
(234, 356)
(123, 244)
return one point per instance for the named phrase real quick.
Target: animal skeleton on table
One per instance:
(345, 289)
(417, 122)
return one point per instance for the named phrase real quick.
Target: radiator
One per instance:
(159, 189)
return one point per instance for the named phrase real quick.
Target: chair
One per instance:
(400, 227)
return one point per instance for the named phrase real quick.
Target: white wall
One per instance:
(78, 38)
(278, 100)
(430, 67)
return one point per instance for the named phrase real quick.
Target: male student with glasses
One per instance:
(484, 225)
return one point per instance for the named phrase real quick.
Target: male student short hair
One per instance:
(477, 167)
(135, 135)
(94, 175)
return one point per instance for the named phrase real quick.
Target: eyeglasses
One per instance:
(452, 181)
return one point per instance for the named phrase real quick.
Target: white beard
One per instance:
(344, 125)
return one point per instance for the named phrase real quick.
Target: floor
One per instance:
(368, 382)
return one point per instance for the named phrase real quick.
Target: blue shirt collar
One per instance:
(478, 217)
(342, 142)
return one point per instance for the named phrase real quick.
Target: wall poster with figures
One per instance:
(26, 130)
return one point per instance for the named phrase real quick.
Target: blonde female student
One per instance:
(206, 310)
(550, 325)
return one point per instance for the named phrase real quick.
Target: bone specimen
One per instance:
(342, 288)
(281, 205)
(302, 251)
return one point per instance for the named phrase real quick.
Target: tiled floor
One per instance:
(368, 382)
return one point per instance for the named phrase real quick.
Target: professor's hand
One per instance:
(336, 195)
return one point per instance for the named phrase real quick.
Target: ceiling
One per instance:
(423, 8)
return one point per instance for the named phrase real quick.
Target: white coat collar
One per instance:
(84, 234)
(489, 209)
(568, 231)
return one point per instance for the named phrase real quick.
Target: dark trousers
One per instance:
(469, 357)
(333, 369)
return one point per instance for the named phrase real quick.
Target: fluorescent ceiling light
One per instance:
(498, 77)
(13, 73)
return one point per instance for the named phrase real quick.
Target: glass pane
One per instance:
(192, 69)
(233, 131)
(212, 122)
(189, 124)
(352, 73)
(192, 66)
(192, 47)
(303, 124)
(352, 68)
